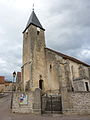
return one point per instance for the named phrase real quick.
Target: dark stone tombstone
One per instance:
(37, 101)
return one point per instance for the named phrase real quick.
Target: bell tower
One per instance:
(33, 53)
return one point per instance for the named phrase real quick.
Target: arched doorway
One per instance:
(41, 84)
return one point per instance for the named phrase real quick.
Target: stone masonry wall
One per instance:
(32, 103)
(79, 85)
(24, 108)
(80, 103)
(73, 103)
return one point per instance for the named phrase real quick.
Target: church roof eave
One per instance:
(68, 57)
(34, 25)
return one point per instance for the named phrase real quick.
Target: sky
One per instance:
(66, 23)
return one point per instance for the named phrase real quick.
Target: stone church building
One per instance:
(47, 69)
(54, 73)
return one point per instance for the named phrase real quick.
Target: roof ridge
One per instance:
(69, 57)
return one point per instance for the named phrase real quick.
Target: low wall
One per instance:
(2, 87)
(27, 102)
(26, 107)
(79, 103)
(72, 102)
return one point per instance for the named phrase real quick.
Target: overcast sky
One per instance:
(67, 25)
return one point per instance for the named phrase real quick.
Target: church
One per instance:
(48, 69)
(56, 75)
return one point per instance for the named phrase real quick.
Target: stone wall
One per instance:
(2, 87)
(32, 103)
(79, 103)
(22, 108)
(53, 71)
(72, 102)
(79, 85)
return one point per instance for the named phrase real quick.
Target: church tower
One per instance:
(33, 54)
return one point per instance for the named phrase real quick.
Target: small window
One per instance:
(38, 32)
(86, 85)
(72, 89)
(50, 66)
(72, 70)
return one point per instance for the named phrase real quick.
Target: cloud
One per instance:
(69, 27)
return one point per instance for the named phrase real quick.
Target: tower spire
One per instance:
(33, 20)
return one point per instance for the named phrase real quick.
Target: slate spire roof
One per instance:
(34, 21)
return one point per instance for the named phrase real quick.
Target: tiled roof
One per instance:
(2, 79)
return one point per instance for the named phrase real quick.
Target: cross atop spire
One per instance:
(33, 7)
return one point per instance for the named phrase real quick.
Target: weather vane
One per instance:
(33, 7)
